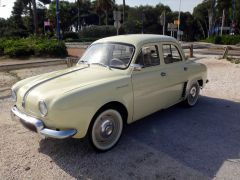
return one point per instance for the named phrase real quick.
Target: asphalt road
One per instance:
(178, 143)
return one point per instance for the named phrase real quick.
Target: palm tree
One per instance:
(104, 6)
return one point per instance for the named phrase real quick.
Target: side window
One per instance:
(171, 54)
(148, 56)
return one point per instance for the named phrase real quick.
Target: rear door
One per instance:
(175, 71)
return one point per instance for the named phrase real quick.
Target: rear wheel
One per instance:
(106, 129)
(193, 94)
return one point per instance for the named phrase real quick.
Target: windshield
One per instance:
(113, 55)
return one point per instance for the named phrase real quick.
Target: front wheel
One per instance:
(193, 95)
(106, 129)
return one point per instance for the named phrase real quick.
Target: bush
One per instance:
(82, 40)
(225, 39)
(98, 31)
(71, 35)
(32, 46)
(52, 48)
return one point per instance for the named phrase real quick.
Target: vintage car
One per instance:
(117, 81)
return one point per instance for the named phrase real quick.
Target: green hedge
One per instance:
(92, 33)
(32, 46)
(225, 39)
(99, 31)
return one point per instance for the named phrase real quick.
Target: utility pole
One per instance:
(124, 4)
(179, 17)
(58, 20)
(35, 18)
(164, 21)
(142, 23)
(78, 21)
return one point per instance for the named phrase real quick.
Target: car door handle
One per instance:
(185, 68)
(163, 74)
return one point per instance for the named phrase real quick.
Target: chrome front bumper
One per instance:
(38, 126)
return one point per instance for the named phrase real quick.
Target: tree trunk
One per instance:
(202, 29)
(35, 19)
(106, 13)
(99, 20)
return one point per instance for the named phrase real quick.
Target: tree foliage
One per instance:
(84, 13)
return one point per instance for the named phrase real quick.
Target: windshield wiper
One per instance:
(101, 64)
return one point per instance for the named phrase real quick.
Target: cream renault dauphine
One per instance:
(117, 81)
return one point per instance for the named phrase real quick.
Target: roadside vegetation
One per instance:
(32, 46)
(24, 33)
(234, 60)
(225, 39)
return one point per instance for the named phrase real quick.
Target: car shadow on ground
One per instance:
(201, 138)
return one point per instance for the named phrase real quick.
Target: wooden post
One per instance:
(191, 51)
(225, 54)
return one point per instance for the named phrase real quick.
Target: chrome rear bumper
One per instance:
(37, 125)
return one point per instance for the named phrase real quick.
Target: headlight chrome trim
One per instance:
(43, 108)
(14, 95)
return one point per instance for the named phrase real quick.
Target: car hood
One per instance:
(53, 84)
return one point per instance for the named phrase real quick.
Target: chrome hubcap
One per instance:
(193, 95)
(107, 129)
(193, 91)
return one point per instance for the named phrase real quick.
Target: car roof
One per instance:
(137, 39)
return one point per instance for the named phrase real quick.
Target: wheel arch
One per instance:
(116, 105)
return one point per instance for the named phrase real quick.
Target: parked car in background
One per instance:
(117, 81)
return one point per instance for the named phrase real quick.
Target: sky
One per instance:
(187, 5)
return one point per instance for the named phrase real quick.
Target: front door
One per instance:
(147, 82)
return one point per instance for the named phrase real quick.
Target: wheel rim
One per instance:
(193, 95)
(107, 129)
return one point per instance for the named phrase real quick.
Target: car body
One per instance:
(146, 73)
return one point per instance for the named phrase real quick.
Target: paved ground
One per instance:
(179, 143)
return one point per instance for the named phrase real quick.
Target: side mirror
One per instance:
(136, 67)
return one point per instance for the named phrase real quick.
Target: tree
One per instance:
(103, 6)
(30, 10)
(200, 14)
(66, 14)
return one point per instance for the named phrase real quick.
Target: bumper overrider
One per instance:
(38, 126)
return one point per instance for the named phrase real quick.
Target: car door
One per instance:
(148, 84)
(175, 71)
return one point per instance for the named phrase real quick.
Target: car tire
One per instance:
(192, 95)
(106, 129)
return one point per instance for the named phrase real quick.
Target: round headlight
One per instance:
(14, 95)
(43, 108)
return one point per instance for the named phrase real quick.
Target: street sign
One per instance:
(117, 24)
(176, 22)
(226, 28)
(117, 15)
(172, 27)
(180, 33)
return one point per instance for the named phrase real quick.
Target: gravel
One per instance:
(178, 143)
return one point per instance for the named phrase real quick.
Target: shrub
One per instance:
(71, 35)
(97, 31)
(18, 48)
(32, 46)
(52, 48)
(225, 39)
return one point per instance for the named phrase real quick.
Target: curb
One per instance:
(31, 64)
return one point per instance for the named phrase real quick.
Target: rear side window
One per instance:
(171, 54)
(148, 56)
